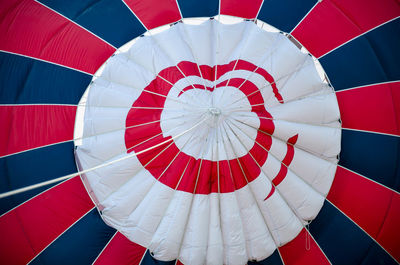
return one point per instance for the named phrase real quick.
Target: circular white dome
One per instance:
(226, 140)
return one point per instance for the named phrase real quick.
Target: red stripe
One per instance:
(155, 13)
(373, 207)
(121, 251)
(29, 28)
(286, 161)
(371, 108)
(333, 22)
(241, 8)
(28, 126)
(302, 250)
(29, 228)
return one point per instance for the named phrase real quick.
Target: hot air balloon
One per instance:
(154, 132)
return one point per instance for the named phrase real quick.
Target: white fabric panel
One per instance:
(104, 120)
(142, 223)
(261, 45)
(283, 60)
(282, 222)
(201, 39)
(120, 203)
(231, 41)
(316, 171)
(105, 146)
(124, 70)
(232, 230)
(321, 140)
(215, 248)
(300, 196)
(278, 149)
(194, 245)
(271, 167)
(148, 56)
(301, 81)
(166, 242)
(111, 94)
(318, 109)
(259, 242)
(169, 45)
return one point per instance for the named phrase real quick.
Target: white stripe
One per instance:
(123, 1)
(380, 184)
(262, 3)
(105, 247)
(30, 57)
(365, 131)
(369, 85)
(362, 229)
(60, 235)
(179, 8)
(144, 254)
(309, 11)
(280, 255)
(337, 47)
(76, 24)
(16, 153)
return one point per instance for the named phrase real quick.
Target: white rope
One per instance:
(38, 185)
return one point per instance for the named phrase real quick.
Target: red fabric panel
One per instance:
(297, 252)
(121, 251)
(155, 13)
(364, 201)
(371, 108)
(28, 126)
(241, 8)
(390, 232)
(333, 22)
(29, 228)
(29, 28)
(373, 207)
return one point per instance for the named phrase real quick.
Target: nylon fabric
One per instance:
(186, 195)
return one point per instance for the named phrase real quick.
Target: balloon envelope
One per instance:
(50, 51)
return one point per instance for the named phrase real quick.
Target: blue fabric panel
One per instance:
(344, 242)
(285, 14)
(32, 167)
(198, 8)
(149, 260)
(376, 156)
(274, 259)
(375, 257)
(80, 244)
(369, 59)
(111, 20)
(24, 80)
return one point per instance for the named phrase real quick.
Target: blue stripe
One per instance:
(111, 20)
(24, 80)
(274, 259)
(285, 14)
(80, 244)
(369, 59)
(343, 242)
(375, 156)
(33, 167)
(149, 260)
(196, 8)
